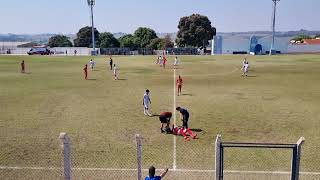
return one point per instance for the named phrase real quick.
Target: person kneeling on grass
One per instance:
(181, 131)
(152, 172)
(164, 118)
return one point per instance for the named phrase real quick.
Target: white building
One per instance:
(238, 44)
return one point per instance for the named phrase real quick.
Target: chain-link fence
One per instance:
(30, 158)
(67, 158)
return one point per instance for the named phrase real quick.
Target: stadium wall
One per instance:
(292, 48)
(232, 44)
(57, 51)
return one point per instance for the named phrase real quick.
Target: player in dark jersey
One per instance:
(184, 116)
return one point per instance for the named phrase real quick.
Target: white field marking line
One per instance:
(174, 166)
(177, 170)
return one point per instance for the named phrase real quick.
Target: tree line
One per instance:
(194, 31)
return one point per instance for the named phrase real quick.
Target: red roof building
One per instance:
(311, 41)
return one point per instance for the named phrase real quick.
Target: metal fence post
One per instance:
(296, 160)
(66, 155)
(139, 153)
(218, 157)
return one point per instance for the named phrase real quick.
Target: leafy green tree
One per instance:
(167, 42)
(143, 36)
(107, 40)
(128, 41)
(194, 31)
(155, 44)
(161, 43)
(317, 36)
(59, 41)
(84, 37)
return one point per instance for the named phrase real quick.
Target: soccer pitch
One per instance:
(278, 102)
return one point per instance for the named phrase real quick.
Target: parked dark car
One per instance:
(39, 51)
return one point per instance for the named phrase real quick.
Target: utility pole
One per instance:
(272, 49)
(91, 3)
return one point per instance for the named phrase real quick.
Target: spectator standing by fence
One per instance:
(152, 172)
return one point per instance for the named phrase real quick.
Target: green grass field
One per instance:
(278, 102)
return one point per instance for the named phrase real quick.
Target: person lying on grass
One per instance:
(185, 132)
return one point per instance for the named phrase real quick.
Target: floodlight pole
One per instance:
(273, 25)
(91, 3)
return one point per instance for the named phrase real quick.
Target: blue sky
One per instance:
(67, 16)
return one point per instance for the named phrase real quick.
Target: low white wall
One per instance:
(303, 48)
(56, 50)
(20, 51)
(70, 50)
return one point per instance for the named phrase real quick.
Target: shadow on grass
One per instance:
(92, 79)
(187, 94)
(122, 79)
(173, 67)
(252, 76)
(196, 130)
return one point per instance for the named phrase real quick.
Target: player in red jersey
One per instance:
(85, 69)
(183, 132)
(164, 62)
(179, 83)
(23, 67)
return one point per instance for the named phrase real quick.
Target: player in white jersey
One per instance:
(115, 72)
(245, 69)
(244, 62)
(158, 60)
(176, 61)
(91, 63)
(146, 101)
